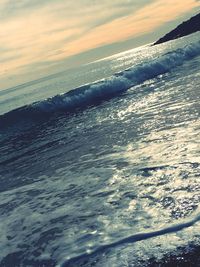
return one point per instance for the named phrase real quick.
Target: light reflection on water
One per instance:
(127, 166)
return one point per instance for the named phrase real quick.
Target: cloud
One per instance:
(143, 21)
(40, 31)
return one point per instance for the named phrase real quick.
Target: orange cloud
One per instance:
(45, 35)
(41, 34)
(143, 21)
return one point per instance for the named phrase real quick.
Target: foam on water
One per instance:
(82, 190)
(102, 90)
(132, 239)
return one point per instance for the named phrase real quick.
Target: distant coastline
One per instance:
(187, 27)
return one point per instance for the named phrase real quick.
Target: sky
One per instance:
(40, 37)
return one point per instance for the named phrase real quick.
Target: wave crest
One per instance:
(94, 93)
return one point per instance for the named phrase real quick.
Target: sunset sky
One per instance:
(43, 36)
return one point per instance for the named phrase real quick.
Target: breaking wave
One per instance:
(92, 94)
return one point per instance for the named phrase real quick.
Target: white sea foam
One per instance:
(102, 90)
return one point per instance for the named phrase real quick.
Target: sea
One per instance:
(100, 164)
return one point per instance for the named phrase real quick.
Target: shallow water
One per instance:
(122, 165)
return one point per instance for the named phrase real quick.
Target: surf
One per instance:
(132, 239)
(93, 94)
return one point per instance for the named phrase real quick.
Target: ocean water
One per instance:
(100, 165)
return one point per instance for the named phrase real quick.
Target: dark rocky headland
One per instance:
(187, 27)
